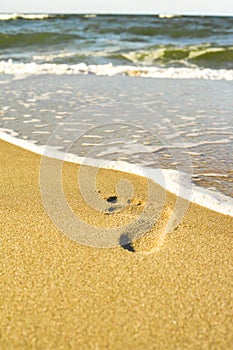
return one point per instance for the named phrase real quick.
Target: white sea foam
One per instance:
(24, 69)
(91, 15)
(11, 16)
(174, 181)
(168, 15)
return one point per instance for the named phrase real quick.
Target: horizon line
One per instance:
(210, 14)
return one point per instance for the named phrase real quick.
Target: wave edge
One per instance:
(169, 179)
(9, 67)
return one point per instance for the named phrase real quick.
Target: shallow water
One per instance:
(174, 124)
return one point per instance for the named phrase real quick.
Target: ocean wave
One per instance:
(168, 15)
(41, 16)
(213, 56)
(172, 180)
(10, 67)
(172, 30)
(163, 56)
(14, 16)
(199, 55)
(38, 39)
(76, 48)
(190, 42)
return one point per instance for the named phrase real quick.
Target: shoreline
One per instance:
(175, 182)
(58, 293)
(203, 96)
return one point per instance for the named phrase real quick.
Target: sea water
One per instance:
(52, 94)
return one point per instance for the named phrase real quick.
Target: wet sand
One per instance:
(169, 291)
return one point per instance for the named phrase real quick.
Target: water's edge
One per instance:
(172, 180)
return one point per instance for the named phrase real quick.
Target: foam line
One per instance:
(20, 69)
(172, 180)
(13, 16)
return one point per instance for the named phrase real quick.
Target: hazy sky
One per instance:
(121, 6)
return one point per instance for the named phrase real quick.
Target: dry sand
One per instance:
(171, 292)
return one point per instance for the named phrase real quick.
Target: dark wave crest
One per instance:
(35, 39)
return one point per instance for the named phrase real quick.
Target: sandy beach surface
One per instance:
(166, 292)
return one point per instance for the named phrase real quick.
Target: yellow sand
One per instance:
(172, 292)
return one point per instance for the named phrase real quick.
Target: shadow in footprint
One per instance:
(125, 244)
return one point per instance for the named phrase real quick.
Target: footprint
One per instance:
(152, 241)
